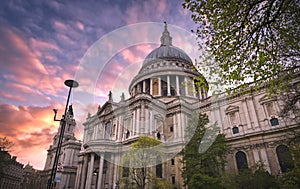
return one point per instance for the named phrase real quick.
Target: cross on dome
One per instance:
(166, 39)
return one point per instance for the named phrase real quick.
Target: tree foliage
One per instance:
(260, 178)
(203, 169)
(291, 179)
(140, 158)
(248, 40)
(5, 144)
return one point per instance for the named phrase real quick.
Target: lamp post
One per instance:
(71, 84)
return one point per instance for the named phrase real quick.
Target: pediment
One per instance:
(264, 99)
(231, 109)
(107, 108)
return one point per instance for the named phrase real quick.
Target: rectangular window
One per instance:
(235, 130)
(173, 179)
(172, 162)
(147, 87)
(164, 86)
(274, 121)
(126, 169)
(181, 86)
(155, 86)
(173, 85)
(171, 129)
(190, 86)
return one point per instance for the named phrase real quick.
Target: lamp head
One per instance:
(71, 83)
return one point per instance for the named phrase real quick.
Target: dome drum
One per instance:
(168, 71)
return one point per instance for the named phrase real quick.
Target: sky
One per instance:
(101, 44)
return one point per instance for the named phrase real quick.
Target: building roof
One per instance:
(166, 50)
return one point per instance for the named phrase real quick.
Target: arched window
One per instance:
(158, 167)
(241, 160)
(158, 135)
(125, 172)
(127, 134)
(107, 130)
(284, 158)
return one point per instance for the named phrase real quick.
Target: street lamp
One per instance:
(71, 84)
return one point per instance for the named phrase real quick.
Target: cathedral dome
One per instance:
(168, 71)
(166, 52)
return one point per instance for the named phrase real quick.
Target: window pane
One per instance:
(158, 167)
(155, 86)
(284, 158)
(274, 122)
(235, 130)
(241, 160)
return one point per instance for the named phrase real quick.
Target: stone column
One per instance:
(110, 170)
(78, 175)
(151, 122)
(179, 125)
(186, 87)
(265, 159)
(159, 86)
(71, 158)
(101, 161)
(168, 85)
(255, 118)
(85, 166)
(147, 130)
(194, 89)
(247, 116)
(90, 172)
(200, 93)
(151, 86)
(115, 165)
(137, 119)
(177, 85)
(175, 127)
(142, 121)
(144, 86)
(133, 122)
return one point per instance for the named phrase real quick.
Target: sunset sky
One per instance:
(43, 43)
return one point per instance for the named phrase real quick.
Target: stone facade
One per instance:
(31, 178)
(68, 158)
(164, 96)
(11, 171)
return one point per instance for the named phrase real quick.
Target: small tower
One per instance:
(166, 39)
(68, 159)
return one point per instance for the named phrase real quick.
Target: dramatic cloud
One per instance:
(43, 43)
(30, 128)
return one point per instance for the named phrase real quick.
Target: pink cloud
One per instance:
(39, 44)
(130, 56)
(31, 129)
(60, 26)
(80, 25)
(12, 97)
(26, 72)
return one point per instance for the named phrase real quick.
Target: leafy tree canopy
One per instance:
(142, 155)
(5, 144)
(248, 40)
(203, 169)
